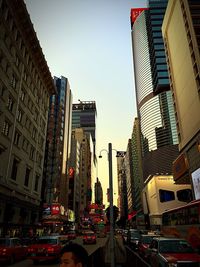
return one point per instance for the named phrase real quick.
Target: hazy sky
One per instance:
(89, 42)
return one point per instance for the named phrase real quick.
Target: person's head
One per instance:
(73, 255)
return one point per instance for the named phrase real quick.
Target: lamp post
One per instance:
(111, 203)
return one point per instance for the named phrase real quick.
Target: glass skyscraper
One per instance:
(153, 96)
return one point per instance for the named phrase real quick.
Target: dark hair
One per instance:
(79, 252)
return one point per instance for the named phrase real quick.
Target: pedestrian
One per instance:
(73, 255)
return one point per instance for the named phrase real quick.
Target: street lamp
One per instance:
(109, 152)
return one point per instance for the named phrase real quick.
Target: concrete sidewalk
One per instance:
(119, 252)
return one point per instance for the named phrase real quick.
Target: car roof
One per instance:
(49, 237)
(162, 238)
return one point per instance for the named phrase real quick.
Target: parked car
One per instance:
(46, 248)
(124, 235)
(172, 252)
(71, 235)
(11, 250)
(144, 242)
(89, 237)
(133, 237)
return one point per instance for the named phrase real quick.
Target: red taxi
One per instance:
(144, 242)
(46, 248)
(71, 235)
(89, 237)
(172, 252)
(11, 250)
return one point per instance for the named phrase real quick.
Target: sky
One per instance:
(89, 42)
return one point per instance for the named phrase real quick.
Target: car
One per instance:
(124, 236)
(89, 237)
(144, 242)
(46, 248)
(71, 235)
(133, 237)
(11, 250)
(165, 251)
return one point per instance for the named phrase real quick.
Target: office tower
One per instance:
(137, 177)
(181, 31)
(25, 87)
(98, 192)
(122, 186)
(58, 144)
(82, 150)
(153, 96)
(84, 116)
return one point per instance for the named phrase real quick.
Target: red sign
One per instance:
(55, 209)
(71, 172)
(135, 12)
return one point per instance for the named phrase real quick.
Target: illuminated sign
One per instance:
(71, 172)
(55, 209)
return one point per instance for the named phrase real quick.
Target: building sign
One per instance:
(135, 12)
(46, 210)
(180, 167)
(55, 209)
(71, 172)
(97, 206)
(196, 183)
(121, 154)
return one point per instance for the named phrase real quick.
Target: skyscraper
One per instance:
(181, 31)
(84, 116)
(153, 96)
(58, 143)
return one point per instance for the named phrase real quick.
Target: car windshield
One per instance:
(47, 241)
(135, 235)
(4, 242)
(146, 239)
(175, 246)
(90, 234)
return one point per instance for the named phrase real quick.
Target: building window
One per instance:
(166, 195)
(19, 115)
(37, 178)
(27, 176)
(32, 151)
(34, 133)
(14, 169)
(22, 96)
(13, 82)
(16, 138)
(10, 104)
(6, 128)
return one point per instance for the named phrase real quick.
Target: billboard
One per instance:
(196, 183)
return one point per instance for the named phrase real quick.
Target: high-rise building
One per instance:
(154, 98)
(84, 116)
(122, 186)
(181, 31)
(58, 144)
(136, 185)
(83, 181)
(25, 87)
(98, 191)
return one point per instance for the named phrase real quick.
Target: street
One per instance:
(90, 249)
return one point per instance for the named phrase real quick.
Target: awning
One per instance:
(132, 214)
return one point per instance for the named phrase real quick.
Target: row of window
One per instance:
(25, 144)
(27, 176)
